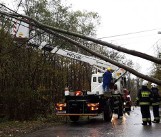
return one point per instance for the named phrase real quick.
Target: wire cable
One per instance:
(131, 33)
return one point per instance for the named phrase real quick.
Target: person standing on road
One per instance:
(107, 78)
(127, 101)
(155, 103)
(117, 102)
(144, 99)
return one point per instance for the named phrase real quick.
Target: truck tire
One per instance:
(107, 113)
(74, 118)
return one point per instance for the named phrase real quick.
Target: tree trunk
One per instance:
(51, 30)
(118, 48)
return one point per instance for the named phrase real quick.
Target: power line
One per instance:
(130, 33)
(135, 37)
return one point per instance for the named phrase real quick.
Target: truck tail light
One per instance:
(60, 106)
(78, 93)
(93, 106)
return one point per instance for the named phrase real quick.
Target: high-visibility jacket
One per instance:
(144, 96)
(156, 96)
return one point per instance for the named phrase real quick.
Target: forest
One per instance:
(32, 80)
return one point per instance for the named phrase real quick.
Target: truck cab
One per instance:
(96, 83)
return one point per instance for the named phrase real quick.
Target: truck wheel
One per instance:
(107, 113)
(74, 118)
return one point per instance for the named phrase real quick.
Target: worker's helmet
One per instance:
(153, 85)
(145, 83)
(109, 69)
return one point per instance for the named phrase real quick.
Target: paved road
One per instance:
(128, 126)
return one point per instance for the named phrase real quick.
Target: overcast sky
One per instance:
(120, 17)
(127, 16)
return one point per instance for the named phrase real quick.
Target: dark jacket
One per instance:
(156, 96)
(144, 96)
(107, 77)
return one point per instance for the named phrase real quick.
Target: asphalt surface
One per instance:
(128, 126)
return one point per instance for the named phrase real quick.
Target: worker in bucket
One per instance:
(107, 78)
(156, 102)
(144, 100)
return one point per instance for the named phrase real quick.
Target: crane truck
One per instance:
(88, 103)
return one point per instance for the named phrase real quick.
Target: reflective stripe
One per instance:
(144, 103)
(155, 104)
(116, 102)
(144, 119)
(115, 95)
(145, 94)
(149, 119)
(156, 118)
(116, 107)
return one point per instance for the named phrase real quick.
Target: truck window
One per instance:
(94, 79)
(100, 79)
